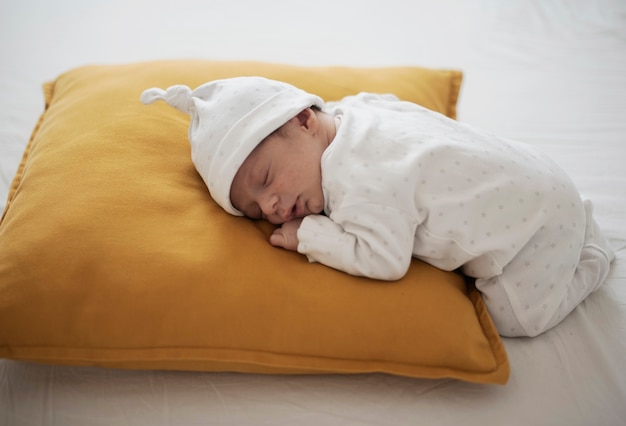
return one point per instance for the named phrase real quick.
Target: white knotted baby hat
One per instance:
(229, 118)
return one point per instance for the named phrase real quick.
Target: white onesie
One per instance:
(400, 181)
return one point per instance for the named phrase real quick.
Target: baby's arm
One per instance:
(366, 240)
(287, 235)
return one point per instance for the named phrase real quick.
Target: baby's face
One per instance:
(281, 179)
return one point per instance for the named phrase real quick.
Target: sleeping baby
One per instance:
(365, 184)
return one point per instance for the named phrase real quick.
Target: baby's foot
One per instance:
(594, 236)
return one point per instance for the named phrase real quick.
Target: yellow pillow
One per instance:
(113, 254)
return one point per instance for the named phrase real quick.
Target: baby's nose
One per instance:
(270, 206)
(276, 213)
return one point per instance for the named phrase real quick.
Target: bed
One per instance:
(550, 73)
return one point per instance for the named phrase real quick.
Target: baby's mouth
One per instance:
(296, 210)
(290, 214)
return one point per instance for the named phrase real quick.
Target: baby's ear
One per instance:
(307, 119)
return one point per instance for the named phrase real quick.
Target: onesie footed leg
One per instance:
(594, 236)
(500, 310)
(527, 299)
(592, 270)
(590, 274)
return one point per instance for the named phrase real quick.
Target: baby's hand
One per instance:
(287, 235)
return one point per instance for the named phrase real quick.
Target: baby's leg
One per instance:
(591, 272)
(554, 273)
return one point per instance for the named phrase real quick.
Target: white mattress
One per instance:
(548, 72)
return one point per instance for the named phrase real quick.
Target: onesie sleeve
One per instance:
(372, 241)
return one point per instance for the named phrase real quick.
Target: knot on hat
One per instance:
(178, 96)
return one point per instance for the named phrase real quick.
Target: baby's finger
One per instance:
(277, 239)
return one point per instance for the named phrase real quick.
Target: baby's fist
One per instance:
(287, 235)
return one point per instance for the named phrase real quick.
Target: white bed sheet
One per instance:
(548, 72)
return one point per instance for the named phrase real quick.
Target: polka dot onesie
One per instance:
(401, 181)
